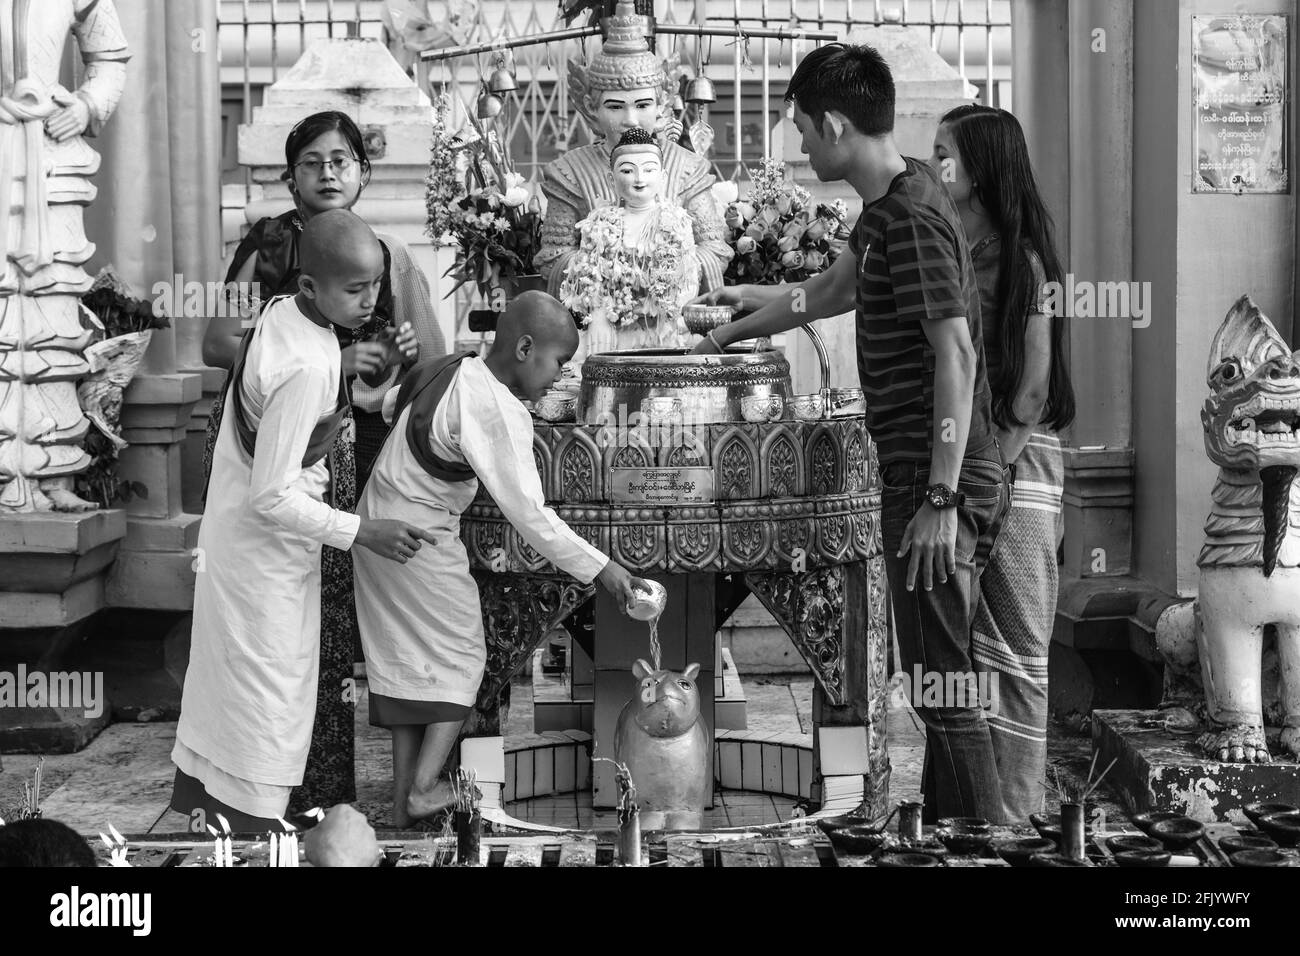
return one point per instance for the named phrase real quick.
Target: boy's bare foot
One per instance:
(420, 804)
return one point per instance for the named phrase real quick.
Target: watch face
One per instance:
(939, 496)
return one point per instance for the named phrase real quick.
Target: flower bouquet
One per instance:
(474, 194)
(779, 234)
(128, 325)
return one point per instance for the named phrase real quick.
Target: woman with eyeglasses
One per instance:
(982, 159)
(327, 169)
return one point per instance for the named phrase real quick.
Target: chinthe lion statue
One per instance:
(1250, 564)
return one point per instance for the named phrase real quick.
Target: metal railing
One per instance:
(261, 39)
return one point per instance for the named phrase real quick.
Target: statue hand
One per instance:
(72, 120)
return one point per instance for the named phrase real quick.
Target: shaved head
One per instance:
(539, 315)
(338, 242)
(536, 336)
(342, 268)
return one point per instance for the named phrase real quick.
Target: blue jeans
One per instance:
(960, 778)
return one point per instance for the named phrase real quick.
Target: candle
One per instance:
(226, 849)
(288, 844)
(273, 840)
(216, 845)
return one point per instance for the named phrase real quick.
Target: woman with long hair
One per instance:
(981, 156)
(326, 168)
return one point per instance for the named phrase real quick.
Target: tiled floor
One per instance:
(124, 777)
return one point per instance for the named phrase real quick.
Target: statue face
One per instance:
(617, 111)
(637, 177)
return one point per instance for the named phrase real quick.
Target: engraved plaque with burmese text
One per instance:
(661, 486)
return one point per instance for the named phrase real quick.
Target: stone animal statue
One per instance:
(1250, 564)
(661, 738)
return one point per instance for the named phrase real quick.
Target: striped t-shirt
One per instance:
(913, 264)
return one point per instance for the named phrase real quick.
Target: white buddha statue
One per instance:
(625, 86)
(636, 264)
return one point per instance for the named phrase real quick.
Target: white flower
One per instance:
(516, 193)
(726, 193)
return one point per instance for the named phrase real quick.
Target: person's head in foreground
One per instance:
(44, 843)
(637, 165)
(841, 99)
(342, 268)
(343, 838)
(535, 337)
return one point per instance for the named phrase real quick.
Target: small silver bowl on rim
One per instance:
(556, 406)
(661, 409)
(757, 409)
(703, 319)
(806, 408)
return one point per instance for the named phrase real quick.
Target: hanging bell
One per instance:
(502, 81)
(489, 106)
(700, 90)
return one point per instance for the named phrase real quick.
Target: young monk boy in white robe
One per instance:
(250, 689)
(458, 422)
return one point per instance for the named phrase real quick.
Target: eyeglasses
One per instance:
(340, 165)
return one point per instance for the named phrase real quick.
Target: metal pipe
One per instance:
(988, 53)
(765, 101)
(824, 361)
(579, 33)
(737, 96)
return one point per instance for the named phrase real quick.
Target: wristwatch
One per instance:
(941, 497)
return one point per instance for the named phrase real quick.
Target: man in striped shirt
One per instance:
(908, 274)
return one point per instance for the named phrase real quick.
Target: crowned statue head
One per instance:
(625, 85)
(636, 163)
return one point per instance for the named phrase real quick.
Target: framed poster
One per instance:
(1239, 102)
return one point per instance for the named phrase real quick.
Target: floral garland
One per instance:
(606, 275)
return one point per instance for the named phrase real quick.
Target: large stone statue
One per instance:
(1250, 565)
(45, 170)
(625, 85)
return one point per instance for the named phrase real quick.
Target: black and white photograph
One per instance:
(666, 434)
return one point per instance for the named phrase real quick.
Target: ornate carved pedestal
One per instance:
(795, 519)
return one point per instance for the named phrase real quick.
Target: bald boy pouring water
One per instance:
(458, 421)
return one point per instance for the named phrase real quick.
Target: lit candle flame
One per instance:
(288, 827)
(225, 826)
(213, 830)
(116, 836)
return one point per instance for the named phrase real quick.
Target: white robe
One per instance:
(250, 690)
(421, 623)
